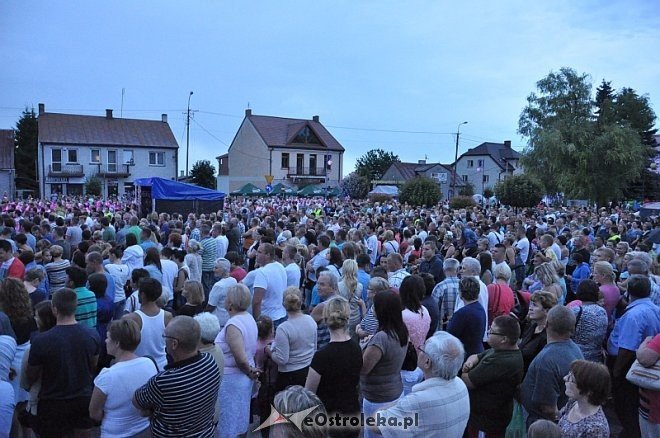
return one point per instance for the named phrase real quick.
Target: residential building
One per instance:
(488, 163)
(295, 152)
(398, 173)
(7, 171)
(74, 148)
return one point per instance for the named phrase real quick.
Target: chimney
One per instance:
(421, 161)
(164, 118)
(507, 144)
(315, 118)
(248, 112)
(108, 114)
(42, 108)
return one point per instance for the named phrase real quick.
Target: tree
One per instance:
(26, 139)
(519, 191)
(375, 163)
(420, 191)
(604, 103)
(355, 185)
(458, 202)
(467, 189)
(568, 151)
(94, 186)
(203, 174)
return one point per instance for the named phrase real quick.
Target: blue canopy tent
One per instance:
(169, 196)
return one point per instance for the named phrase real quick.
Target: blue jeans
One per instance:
(118, 309)
(208, 280)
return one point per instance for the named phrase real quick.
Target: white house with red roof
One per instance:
(295, 152)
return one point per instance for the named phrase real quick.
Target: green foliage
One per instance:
(25, 155)
(459, 202)
(573, 149)
(375, 163)
(519, 191)
(203, 174)
(355, 185)
(94, 186)
(380, 198)
(488, 193)
(467, 189)
(420, 191)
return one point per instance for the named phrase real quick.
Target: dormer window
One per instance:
(306, 136)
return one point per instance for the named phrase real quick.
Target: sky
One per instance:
(395, 75)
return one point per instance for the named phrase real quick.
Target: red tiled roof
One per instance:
(279, 131)
(6, 149)
(94, 130)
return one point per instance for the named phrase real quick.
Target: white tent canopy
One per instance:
(385, 190)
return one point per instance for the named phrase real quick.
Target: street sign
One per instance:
(269, 178)
(269, 188)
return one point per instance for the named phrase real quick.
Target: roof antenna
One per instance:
(248, 105)
(121, 111)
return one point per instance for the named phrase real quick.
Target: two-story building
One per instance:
(74, 148)
(488, 163)
(294, 152)
(399, 173)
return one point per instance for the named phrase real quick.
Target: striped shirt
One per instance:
(86, 309)
(56, 272)
(209, 251)
(446, 293)
(182, 398)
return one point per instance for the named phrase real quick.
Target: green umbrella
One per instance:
(249, 190)
(281, 189)
(312, 190)
(336, 191)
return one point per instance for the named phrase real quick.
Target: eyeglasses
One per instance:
(169, 337)
(491, 332)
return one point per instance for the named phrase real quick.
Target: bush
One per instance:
(466, 190)
(379, 197)
(94, 186)
(488, 193)
(459, 202)
(519, 191)
(420, 191)
(355, 186)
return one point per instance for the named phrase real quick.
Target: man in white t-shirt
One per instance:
(292, 269)
(269, 286)
(372, 244)
(222, 243)
(120, 273)
(218, 292)
(170, 271)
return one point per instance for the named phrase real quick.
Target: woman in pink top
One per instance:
(417, 320)
(604, 276)
(238, 342)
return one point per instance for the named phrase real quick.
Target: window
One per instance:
(480, 163)
(95, 156)
(72, 156)
(470, 163)
(440, 177)
(156, 158)
(312, 164)
(112, 161)
(485, 178)
(128, 157)
(465, 178)
(285, 160)
(306, 136)
(56, 159)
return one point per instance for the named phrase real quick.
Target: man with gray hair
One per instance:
(218, 293)
(445, 293)
(441, 402)
(542, 392)
(472, 268)
(192, 379)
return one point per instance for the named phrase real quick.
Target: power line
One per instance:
(208, 132)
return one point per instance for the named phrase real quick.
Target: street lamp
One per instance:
(458, 133)
(188, 133)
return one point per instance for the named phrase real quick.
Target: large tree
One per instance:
(203, 174)
(25, 155)
(568, 151)
(375, 163)
(519, 191)
(420, 191)
(356, 186)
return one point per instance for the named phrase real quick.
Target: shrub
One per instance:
(459, 202)
(420, 191)
(94, 186)
(466, 190)
(519, 191)
(379, 197)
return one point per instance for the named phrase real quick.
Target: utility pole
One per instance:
(188, 134)
(455, 175)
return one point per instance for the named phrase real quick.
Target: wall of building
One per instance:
(476, 172)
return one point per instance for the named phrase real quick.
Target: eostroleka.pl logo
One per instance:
(277, 417)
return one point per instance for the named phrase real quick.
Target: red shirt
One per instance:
(16, 269)
(500, 300)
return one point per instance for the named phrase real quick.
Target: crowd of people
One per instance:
(372, 319)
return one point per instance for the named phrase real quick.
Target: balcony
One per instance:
(66, 170)
(306, 172)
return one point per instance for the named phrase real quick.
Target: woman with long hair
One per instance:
(383, 356)
(549, 279)
(152, 264)
(351, 289)
(417, 320)
(193, 292)
(335, 261)
(486, 262)
(604, 275)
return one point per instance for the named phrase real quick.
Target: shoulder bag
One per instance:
(647, 378)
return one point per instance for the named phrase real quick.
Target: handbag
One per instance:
(647, 378)
(516, 428)
(410, 362)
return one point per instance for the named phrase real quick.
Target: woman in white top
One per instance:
(111, 402)
(238, 342)
(194, 260)
(351, 289)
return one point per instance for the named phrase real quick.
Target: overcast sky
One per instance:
(380, 74)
